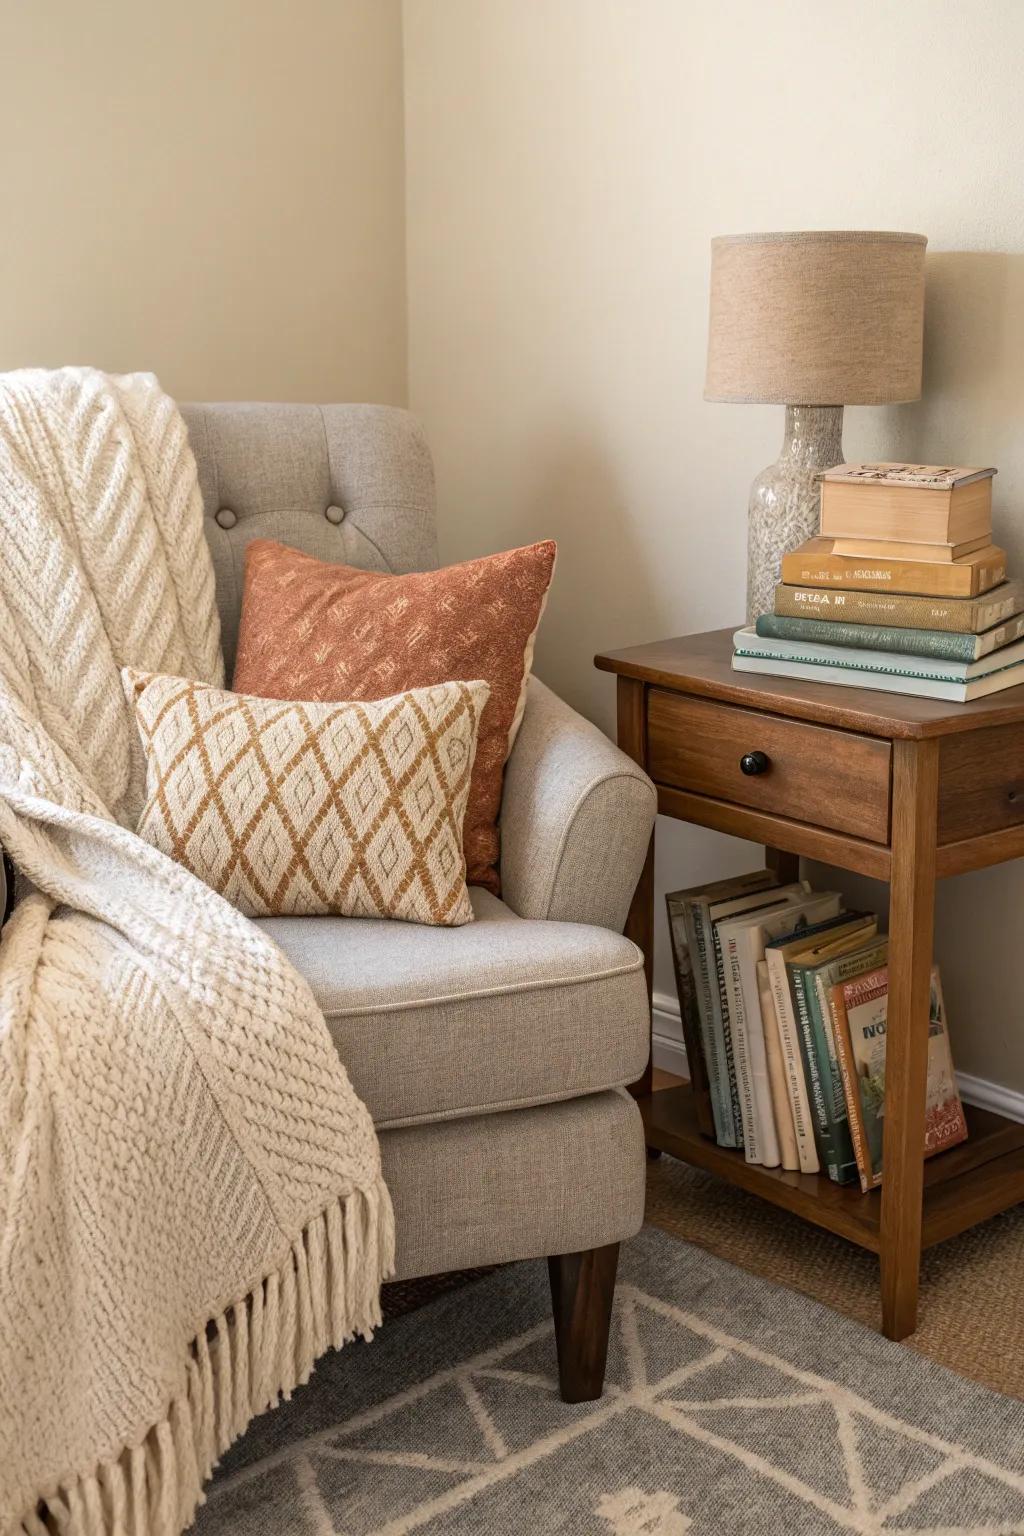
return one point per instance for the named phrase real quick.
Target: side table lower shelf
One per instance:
(961, 1187)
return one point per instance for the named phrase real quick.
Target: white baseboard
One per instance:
(669, 1053)
(667, 1048)
(985, 1095)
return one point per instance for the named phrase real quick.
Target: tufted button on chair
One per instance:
(493, 1057)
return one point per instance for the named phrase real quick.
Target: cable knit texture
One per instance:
(191, 1203)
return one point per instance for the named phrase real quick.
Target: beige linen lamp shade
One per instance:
(827, 317)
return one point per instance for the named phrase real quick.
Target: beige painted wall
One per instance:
(212, 189)
(567, 163)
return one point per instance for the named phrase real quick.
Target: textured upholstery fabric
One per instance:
(277, 471)
(558, 1179)
(433, 1023)
(314, 629)
(354, 809)
(575, 818)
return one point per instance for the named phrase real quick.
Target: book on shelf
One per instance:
(811, 984)
(859, 1011)
(938, 644)
(692, 910)
(782, 1109)
(919, 503)
(721, 912)
(898, 549)
(957, 682)
(742, 940)
(689, 1008)
(813, 565)
(958, 615)
(815, 944)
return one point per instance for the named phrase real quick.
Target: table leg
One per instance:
(784, 866)
(911, 923)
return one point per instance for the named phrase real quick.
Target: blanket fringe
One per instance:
(251, 1356)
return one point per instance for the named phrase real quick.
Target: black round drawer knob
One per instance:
(754, 762)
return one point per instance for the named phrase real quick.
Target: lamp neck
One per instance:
(814, 436)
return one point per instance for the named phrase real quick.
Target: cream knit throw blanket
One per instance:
(191, 1203)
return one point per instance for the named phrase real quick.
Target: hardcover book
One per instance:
(689, 1011)
(695, 905)
(915, 477)
(904, 680)
(781, 1106)
(906, 549)
(859, 1008)
(810, 985)
(958, 615)
(812, 945)
(915, 503)
(812, 565)
(742, 940)
(937, 644)
(750, 641)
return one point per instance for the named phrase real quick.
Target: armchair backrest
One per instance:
(348, 483)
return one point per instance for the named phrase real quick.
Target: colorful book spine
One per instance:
(812, 1073)
(965, 616)
(906, 680)
(859, 1011)
(687, 987)
(796, 1077)
(921, 578)
(748, 642)
(782, 1112)
(843, 1164)
(739, 1028)
(940, 645)
(723, 1022)
(870, 1174)
(712, 1035)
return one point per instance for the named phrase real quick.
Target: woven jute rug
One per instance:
(971, 1315)
(732, 1405)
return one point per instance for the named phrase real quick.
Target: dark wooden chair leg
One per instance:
(582, 1288)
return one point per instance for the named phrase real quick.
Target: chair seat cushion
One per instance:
(435, 1023)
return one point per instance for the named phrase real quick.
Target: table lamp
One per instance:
(813, 321)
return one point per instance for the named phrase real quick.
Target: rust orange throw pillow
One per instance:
(320, 632)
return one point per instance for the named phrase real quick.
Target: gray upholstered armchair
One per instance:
(493, 1057)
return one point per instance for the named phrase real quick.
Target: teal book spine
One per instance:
(815, 1084)
(842, 1167)
(938, 644)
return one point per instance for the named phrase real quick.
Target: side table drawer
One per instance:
(834, 779)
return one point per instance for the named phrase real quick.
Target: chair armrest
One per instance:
(576, 818)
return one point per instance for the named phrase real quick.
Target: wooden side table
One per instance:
(907, 790)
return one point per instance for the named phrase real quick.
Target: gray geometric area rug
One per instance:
(731, 1406)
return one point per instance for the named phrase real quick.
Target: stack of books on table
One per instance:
(783, 994)
(903, 592)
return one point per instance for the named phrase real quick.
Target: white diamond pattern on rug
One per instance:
(832, 1461)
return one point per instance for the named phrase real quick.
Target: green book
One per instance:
(821, 1064)
(941, 645)
(809, 1056)
(694, 907)
(835, 973)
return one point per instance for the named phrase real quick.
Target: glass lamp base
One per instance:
(785, 498)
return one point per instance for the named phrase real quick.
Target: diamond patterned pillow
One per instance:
(284, 807)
